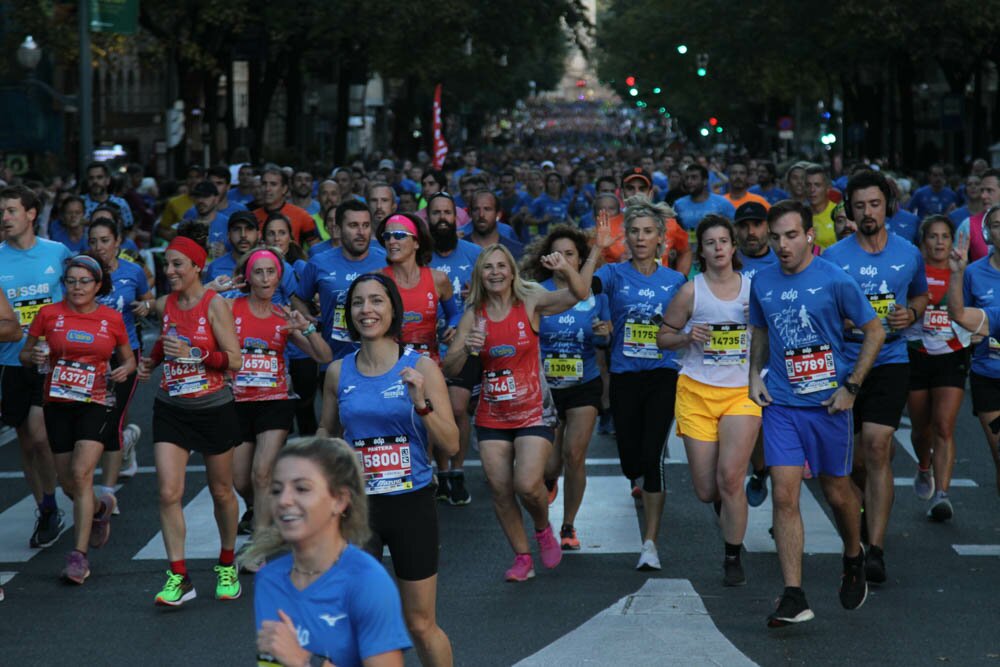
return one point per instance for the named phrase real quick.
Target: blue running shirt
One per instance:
(566, 341)
(981, 289)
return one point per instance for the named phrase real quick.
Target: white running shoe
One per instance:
(130, 462)
(649, 559)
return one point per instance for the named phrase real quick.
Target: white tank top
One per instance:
(725, 360)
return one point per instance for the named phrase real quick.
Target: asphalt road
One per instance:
(938, 607)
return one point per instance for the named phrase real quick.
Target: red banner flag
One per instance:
(440, 145)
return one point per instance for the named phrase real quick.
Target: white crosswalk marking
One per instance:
(6, 576)
(977, 549)
(904, 438)
(607, 521)
(663, 623)
(202, 539)
(17, 523)
(821, 535)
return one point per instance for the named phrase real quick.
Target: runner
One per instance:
(979, 284)
(194, 411)
(643, 378)
(130, 296)
(569, 361)
(80, 336)
(275, 185)
(755, 254)
(264, 400)
(796, 315)
(455, 258)
(408, 251)
(550, 208)
(392, 402)
(939, 367)
(700, 200)
(718, 421)
(32, 270)
(974, 226)
(891, 274)
(502, 321)
(320, 513)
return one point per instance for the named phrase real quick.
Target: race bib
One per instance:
(883, 305)
(640, 340)
(937, 324)
(340, 324)
(499, 385)
(386, 463)
(811, 369)
(420, 348)
(184, 378)
(28, 309)
(260, 368)
(728, 345)
(73, 381)
(562, 369)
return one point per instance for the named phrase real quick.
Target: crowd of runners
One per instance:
(779, 319)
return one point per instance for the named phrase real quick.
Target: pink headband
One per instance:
(258, 255)
(405, 222)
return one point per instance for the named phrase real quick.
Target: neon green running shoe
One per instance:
(227, 585)
(176, 591)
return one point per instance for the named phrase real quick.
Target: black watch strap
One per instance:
(852, 387)
(316, 660)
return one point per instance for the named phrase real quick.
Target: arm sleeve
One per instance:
(601, 276)
(451, 312)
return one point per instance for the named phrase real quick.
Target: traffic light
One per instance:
(656, 91)
(630, 81)
(633, 91)
(702, 71)
(713, 121)
(703, 131)
(682, 49)
(702, 64)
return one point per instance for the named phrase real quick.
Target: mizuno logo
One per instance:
(897, 267)
(330, 619)
(813, 290)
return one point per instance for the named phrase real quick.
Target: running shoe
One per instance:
(636, 492)
(130, 462)
(567, 538)
(443, 487)
(227, 586)
(552, 485)
(48, 525)
(923, 484)
(875, 565)
(457, 493)
(176, 591)
(853, 587)
(733, 574)
(757, 489)
(245, 526)
(792, 608)
(649, 559)
(548, 549)
(941, 510)
(522, 569)
(100, 528)
(77, 567)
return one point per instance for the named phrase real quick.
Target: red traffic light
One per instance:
(581, 83)
(713, 121)
(630, 81)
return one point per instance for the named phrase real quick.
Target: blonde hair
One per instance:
(339, 465)
(477, 291)
(641, 206)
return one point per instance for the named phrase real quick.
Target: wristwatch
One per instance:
(852, 387)
(426, 410)
(309, 330)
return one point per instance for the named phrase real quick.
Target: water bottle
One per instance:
(172, 332)
(44, 367)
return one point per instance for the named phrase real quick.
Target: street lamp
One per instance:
(29, 54)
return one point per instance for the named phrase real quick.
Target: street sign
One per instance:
(786, 123)
(786, 134)
(118, 16)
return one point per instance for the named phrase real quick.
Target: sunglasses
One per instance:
(83, 282)
(397, 235)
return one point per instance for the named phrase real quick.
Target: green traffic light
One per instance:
(682, 49)
(656, 91)
(719, 129)
(702, 71)
(663, 109)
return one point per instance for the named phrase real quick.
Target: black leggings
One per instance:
(642, 404)
(304, 380)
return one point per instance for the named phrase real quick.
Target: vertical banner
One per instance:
(440, 145)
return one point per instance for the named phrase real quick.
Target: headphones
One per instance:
(882, 183)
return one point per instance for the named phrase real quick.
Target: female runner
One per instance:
(261, 386)
(569, 361)
(715, 416)
(80, 336)
(327, 603)
(502, 321)
(390, 401)
(939, 367)
(643, 377)
(194, 410)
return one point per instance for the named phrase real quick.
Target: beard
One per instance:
(445, 237)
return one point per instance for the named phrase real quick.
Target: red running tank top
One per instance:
(420, 306)
(188, 379)
(262, 377)
(511, 390)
